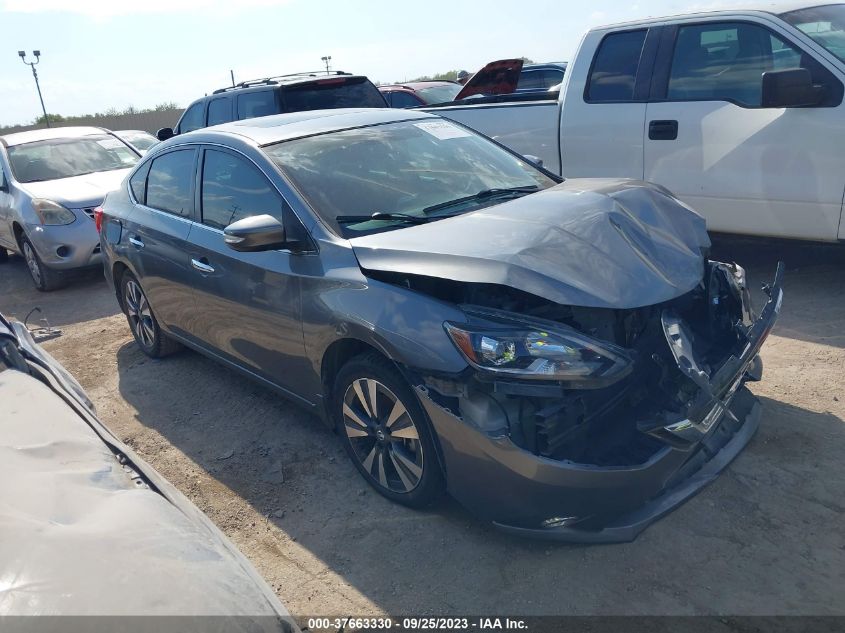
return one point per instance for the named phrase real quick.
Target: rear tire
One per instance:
(386, 432)
(45, 278)
(142, 322)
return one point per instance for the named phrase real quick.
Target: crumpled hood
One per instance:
(586, 242)
(78, 191)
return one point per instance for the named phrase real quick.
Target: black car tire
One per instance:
(45, 278)
(142, 322)
(396, 456)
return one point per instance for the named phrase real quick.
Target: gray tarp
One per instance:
(585, 242)
(79, 537)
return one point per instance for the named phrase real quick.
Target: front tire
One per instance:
(44, 277)
(139, 314)
(385, 431)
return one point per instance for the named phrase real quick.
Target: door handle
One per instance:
(202, 266)
(136, 242)
(663, 130)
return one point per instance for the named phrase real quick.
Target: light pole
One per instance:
(37, 54)
(326, 60)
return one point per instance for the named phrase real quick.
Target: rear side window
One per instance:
(138, 184)
(169, 184)
(234, 189)
(219, 111)
(355, 92)
(615, 65)
(255, 104)
(192, 119)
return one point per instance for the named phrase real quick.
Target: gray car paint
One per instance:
(586, 242)
(626, 233)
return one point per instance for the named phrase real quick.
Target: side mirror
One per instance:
(790, 88)
(536, 160)
(165, 133)
(258, 233)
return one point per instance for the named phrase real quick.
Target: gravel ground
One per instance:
(766, 538)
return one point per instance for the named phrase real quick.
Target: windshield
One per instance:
(66, 157)
(357, 92)
(439, 94)
(401, 168)
(825, 25)
(140, 141)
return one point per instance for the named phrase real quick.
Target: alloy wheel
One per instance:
(32, 262)
(383, 435)
(139, 313)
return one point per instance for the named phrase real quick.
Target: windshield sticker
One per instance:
(442, 129)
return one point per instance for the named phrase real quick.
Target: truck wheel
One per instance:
(44, 277)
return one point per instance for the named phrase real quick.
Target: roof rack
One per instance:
(268, 81)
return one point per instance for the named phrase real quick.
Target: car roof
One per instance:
(282, 127)
(19, 138)
(775, 8)
(285, 80)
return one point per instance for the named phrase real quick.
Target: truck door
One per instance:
(711, 140)
(604, 103)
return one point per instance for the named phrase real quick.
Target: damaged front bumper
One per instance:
(531, 495)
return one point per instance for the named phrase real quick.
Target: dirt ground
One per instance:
(768, 537)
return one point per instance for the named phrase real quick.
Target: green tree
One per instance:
(53, 118)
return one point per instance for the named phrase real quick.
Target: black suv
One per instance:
(276, 95)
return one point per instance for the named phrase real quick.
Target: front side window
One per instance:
(192, 119)
(255, 104)
(234, 189)
(425, 168)
(219, 111)
(825, 25)
(726, 61)
(615, 66)
(56, 158)
(169, 184)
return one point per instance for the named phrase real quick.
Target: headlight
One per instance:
(530, 352)
(52, 213)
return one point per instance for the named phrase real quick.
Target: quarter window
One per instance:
(169, 182)
(615, 67)
(726, 61)
(219, 111)
(233, 189)
(192, 119)
(138, 183)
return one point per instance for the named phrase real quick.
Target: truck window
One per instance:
(258, 103)
(219, 111)
(726, 61)
(615, 65)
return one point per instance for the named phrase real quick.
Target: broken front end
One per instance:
(587, 424)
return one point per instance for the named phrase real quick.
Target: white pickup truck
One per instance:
(739, 113)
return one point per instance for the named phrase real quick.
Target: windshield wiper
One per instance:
(378, 215)
(497, 192)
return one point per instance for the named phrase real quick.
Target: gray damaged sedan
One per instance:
(562, 357)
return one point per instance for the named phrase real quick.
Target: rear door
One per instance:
(157, 231)
(248, 304)
(604, 105)
(746, 168)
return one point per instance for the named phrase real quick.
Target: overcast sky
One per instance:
(102, 54)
